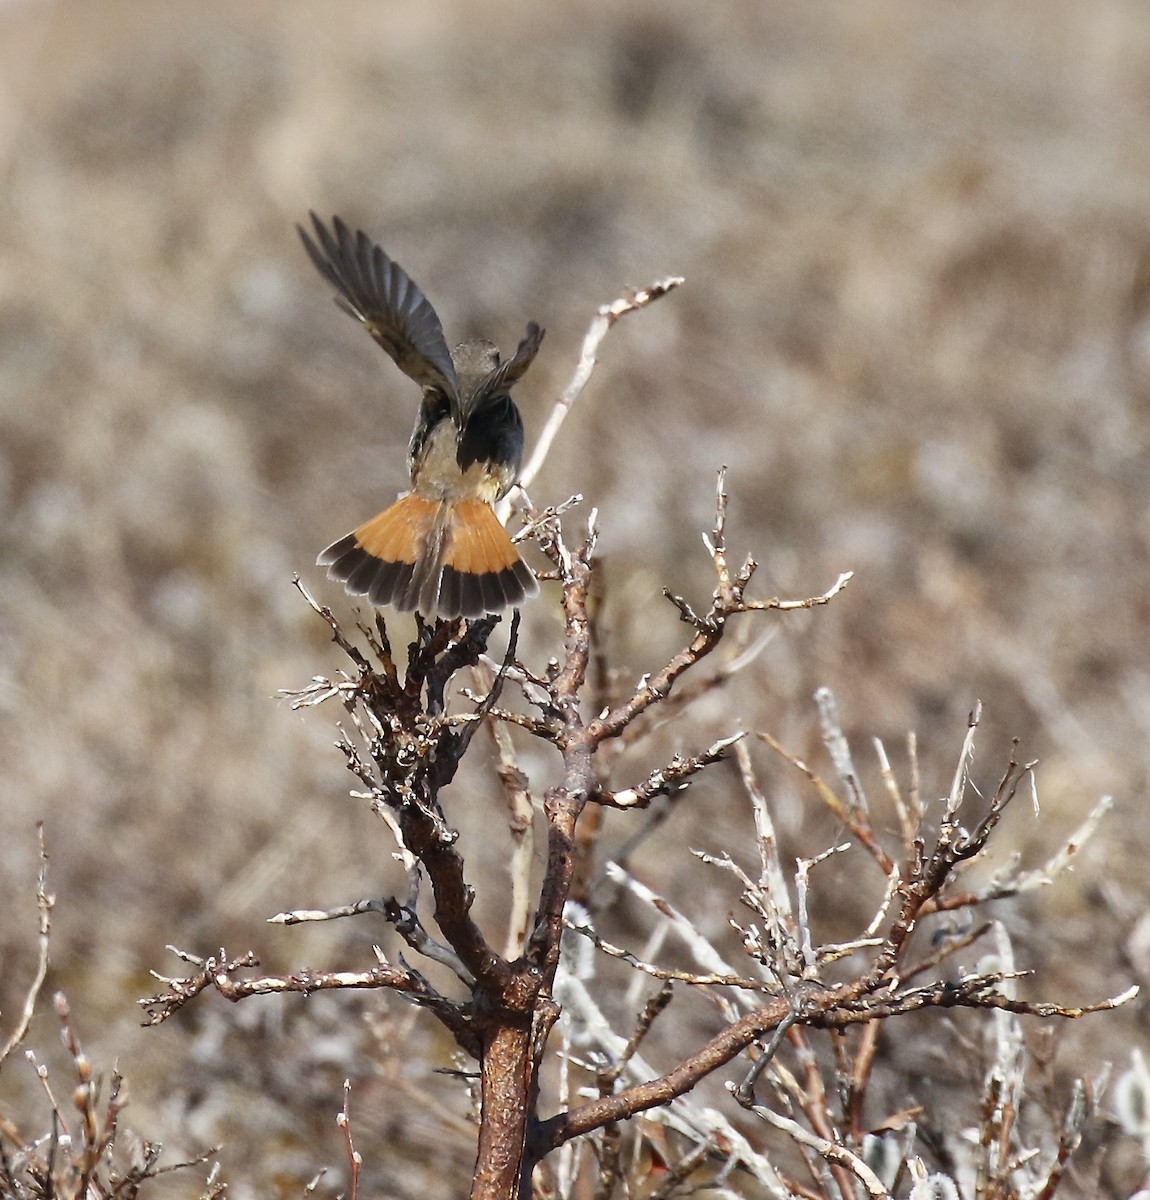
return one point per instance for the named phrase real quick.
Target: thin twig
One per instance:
(666, 973)
(607, 315)
(651, 1011)
(298, 916)
(672, 778)
(410, 928)
(851, 816)
(831, 1151)
(216, 972)
(520, 822)
(44, 904)
(354, 1158)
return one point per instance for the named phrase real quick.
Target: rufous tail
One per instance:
(442, 560)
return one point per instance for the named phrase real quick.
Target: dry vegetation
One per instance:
(916, 326)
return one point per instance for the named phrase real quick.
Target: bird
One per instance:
(439, 550)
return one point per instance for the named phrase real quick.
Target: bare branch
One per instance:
(409, 927)
(775, 604)
(839, 750)
(216, 972)
(832, 1151)
(539, 519)
(1015, 882)
(710, 628)
(520, 822)
(855, 820)
(962, 770)
(665, 973)
(402, 916)
(672, 778)
(299, 916)
(354, 1158)
(825, 1008)
(651, 1011)
(908, 825)
(44, 905)
(607, 315)
(802, 878)
(702, 950)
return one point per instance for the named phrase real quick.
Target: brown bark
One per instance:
(504, 1073)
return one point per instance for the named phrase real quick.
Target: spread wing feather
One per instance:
(382, 296)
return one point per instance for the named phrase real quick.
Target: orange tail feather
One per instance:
(442, 560)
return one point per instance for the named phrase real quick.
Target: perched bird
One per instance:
(439, 549)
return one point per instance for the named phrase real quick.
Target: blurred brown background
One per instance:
(916, 326)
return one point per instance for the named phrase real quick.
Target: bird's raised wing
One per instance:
(380, 294)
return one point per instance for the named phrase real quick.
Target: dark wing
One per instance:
(493, 435)
(500, 381)
(378, 292)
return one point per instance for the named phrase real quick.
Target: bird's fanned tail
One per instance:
(445, 560)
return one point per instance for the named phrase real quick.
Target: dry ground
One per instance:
(916, 326)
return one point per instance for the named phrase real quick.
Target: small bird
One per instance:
(439, 549)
